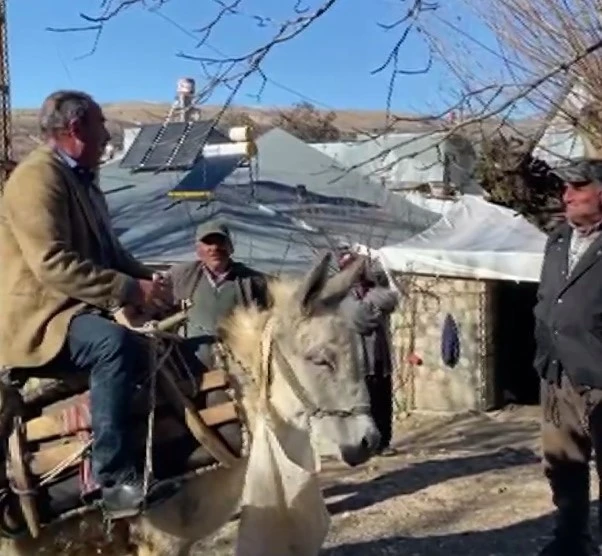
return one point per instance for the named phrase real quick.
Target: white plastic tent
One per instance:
(473, 239)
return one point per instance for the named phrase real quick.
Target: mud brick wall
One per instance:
(417, 327)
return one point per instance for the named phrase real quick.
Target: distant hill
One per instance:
(121, 115)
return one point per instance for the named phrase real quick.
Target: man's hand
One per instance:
(130, 317)
(164, 278)
(155, 294)
(383, 299)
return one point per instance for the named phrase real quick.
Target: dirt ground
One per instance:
(468, 485)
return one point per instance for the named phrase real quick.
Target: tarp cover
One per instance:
(473, 239)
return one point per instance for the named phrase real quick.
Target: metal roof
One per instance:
(275, 227)
(560, 141)
(340, 203)
(406, 160)
(289, 161)
(157, 230)
(559, 144)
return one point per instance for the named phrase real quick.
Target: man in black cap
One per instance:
(568, 358)
(216, 285)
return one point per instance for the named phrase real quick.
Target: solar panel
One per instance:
(198, 134)
(140, 146)
(208, 173)
(161, 153)
(166, 154)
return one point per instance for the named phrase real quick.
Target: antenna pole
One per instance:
(6, 161)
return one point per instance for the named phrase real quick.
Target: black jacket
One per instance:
(568, 314)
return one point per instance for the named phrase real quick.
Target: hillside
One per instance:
(126, 114)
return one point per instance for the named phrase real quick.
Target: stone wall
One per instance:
(427, 383)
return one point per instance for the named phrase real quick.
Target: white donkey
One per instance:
(296, 362)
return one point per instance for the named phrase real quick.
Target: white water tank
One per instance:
(240, 133)
(129, 136)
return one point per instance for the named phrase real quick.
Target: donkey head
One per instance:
(318, 346)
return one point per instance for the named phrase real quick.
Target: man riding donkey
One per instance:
(64, 274)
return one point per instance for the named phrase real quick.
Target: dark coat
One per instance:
(568, 314)
(370, 318)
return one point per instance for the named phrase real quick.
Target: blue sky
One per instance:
(137, 55)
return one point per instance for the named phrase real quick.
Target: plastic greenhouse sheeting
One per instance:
(473, 239)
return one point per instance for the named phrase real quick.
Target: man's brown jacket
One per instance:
(50, 259)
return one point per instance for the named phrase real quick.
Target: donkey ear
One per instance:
(313, 283)
(338, 287)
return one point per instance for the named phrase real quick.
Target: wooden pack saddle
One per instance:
(45, 434)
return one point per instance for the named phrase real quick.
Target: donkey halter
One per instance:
(269, 351)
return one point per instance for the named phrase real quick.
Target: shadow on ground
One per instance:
(522, 539)
(422, 475)
(469, 431)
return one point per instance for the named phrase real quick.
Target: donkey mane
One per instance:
(242, 330)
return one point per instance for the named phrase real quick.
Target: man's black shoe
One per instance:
(558, 548)
(127, 499)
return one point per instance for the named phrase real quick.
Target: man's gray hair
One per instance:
(63, 107)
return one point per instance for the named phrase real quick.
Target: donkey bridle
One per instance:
(313, 410)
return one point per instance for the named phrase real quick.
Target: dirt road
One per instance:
(468, 485)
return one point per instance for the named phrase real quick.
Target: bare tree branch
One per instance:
(540, 48)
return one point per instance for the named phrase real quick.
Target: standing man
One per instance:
(568, 334)
(63, 273)
(369, 306)
(216, 285)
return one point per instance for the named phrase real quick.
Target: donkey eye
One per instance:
(322, 358)
(323, 362)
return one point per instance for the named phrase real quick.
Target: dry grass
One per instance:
(127, 114)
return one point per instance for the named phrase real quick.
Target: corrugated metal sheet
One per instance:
(559, 144)
(287, 160)
(405, 160)
(406, 166)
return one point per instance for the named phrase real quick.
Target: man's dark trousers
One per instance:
(380, 389)
(114, 356)
(571, 427)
